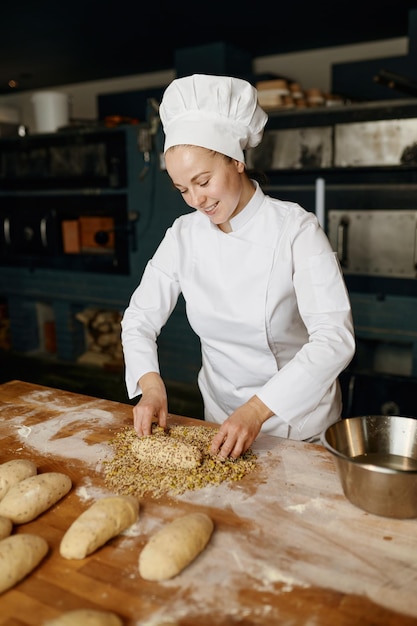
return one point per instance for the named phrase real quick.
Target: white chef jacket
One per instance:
(269, 304)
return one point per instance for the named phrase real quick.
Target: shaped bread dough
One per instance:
(12, 472)
(85, 617)
(167, 452)
(175, 546)
(19, 555)
(34, 495)
(6, 527)
(105, 519)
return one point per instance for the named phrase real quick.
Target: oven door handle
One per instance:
(415, 247)
(6, 231)
(342, 241)
(43, 232)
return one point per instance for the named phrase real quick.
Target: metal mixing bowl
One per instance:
(376, 459)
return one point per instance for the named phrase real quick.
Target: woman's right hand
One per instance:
(153, 405)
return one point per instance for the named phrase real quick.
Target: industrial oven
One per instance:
(87, 227)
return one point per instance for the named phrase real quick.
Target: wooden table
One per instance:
(288, 548)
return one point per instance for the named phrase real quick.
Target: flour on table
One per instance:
(312, 503)
(134, 530)
(87, 491)
(315, 519)
(46, 439)
(24, 431)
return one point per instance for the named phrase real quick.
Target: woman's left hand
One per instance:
(240, 429)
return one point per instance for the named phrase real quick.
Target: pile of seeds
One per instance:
(128, 474)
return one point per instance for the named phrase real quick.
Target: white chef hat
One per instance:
(220, 113)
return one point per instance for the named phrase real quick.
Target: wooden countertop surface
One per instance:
(288, 548)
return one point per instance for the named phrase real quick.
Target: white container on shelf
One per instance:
(51, 110)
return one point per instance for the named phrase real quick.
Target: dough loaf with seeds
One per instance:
(175, 546)
(85, 617)
(19, 555)
(6, 527)
(12, 472)
(165, 451)
(32, 496)
(106, 518)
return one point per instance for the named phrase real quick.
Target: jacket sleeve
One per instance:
(296, 390)
(149, 308)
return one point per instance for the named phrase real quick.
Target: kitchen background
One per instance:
(84, 201)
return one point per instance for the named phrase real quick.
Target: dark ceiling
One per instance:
(51, 43)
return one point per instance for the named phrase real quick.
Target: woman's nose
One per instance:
(197, 197)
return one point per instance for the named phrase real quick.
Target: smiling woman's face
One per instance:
(210, 182)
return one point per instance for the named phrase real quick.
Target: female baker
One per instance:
(263, 288)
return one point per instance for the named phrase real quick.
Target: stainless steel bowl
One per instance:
(376, 460)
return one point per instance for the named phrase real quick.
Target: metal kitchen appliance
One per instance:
(89, 227)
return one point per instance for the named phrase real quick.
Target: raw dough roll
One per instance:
(19, 555)
(12, 472)
(6, 527)
(175, 546)
(85, 617)
(34, 495)
(105, 519)
(165, 451)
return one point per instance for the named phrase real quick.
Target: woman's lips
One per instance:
(211, 208)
